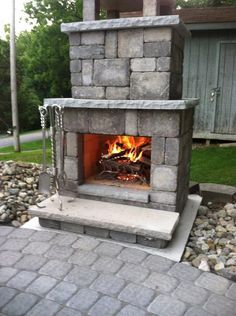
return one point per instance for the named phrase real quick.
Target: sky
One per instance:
(5, 15)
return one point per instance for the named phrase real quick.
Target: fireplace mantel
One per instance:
(124, 104)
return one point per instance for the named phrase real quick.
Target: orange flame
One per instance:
(129, 144)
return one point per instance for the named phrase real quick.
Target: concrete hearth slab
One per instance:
(176, 246)
(111, 216)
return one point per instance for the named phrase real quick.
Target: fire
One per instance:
(131, 146)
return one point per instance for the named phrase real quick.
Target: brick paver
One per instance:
(47, 273)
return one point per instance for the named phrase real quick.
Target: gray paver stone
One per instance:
(108, 284)
(107, 265)
(132, 255)
(191, 294)
(2, 240)
(21, 233)
(64, 239)
(108, 249)
(137, 295)
(6, 273)
(4, 231)
(157, 263)
(83, 257)
(213, 282)
(44, 307)
(22, 279)
(132, 272)
(161, 282)
(130, 310)
(231, 292)
(36, 248)
(6, 295)
(184, 271)
(167, 306)
(197, 311)
(59, 252)
(56, 268)
(14, 244)
(62, 292)
(105, 306)
(83, 300)
(42, 236)
(30, 262)
(81, 276)
(66, 311)
(41, 285)
(20, 304)
(86, 243)
(9, 258)
(220, 306)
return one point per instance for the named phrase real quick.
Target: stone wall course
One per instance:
(93, 38)
(164, 178)
(87, 72)
(130, 43)
(143, 64)
(75, 66)
(157, 34)
(111, 44)
(87, 52)
(84, 92)
(157, 49)
(117, 93)
(74, 39)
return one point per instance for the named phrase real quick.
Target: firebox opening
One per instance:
(117, 160)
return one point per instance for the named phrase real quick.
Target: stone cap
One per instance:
(127, 23)
(124, 104)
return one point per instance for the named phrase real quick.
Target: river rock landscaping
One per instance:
(18, 190)
(212, 242)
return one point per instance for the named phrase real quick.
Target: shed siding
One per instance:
(200, 66)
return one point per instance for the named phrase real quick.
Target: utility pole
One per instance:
(14, 107)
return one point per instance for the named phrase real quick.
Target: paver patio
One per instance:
(47, 273)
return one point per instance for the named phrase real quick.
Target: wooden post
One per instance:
(91, 10)
(151, 7)
(14, 107)
(112, 14)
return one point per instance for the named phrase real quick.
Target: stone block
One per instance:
(21, 280)
(86, 243)
(196, 311)
(14, 244)
(59, 252)
(163, 123)
(123, 237)
(97, 232)
(133, 272)
(4, 231)
(72, 144)
(56, 268)
(212, 282)
(161, 282)
(20, 304)
(143, 64)
(44, 305)
(176, 84)
(76, 79)
(157, 49)
(17, 233)
(231, 292)
(83, 300)
(191, 294)
(71, 186)
(220, 305)
(49, 223)
(30, 262)
(76, 121)
(6, 294)
(157, 34)
(71, 168)
(157, 263)
(81, 276)
(184, 272)
(75, 66)
(149, 85)
(41, 285)
(117, 93)
(151, 7)
(137, 295)
(73, 228)
(163, 197)
(105, 306)
(74, 39)
(163, 207)
(107, 265)
(131, 310)
(111, 72)
(36, 248)
(152, 242)
(163, 64)
(167, 305)
(131, 122)
(83, 257)
(87, 72)
(173, 151)
(91, 10)
(108, 284)
(111, 44)
(6, 273)
(107, 122)
(108, 249)
(87, 52)
(88, 92)
(130, 43)
(132, 255)
(164, 178)
(158, 150)
(92, 38)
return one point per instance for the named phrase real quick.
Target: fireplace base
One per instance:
(119, 222)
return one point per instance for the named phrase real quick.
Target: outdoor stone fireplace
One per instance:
(128, 133)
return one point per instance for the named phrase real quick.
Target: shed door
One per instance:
(225, 113)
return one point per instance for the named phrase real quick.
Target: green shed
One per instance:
(210, 70)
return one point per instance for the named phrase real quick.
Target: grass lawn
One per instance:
(209, 164)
